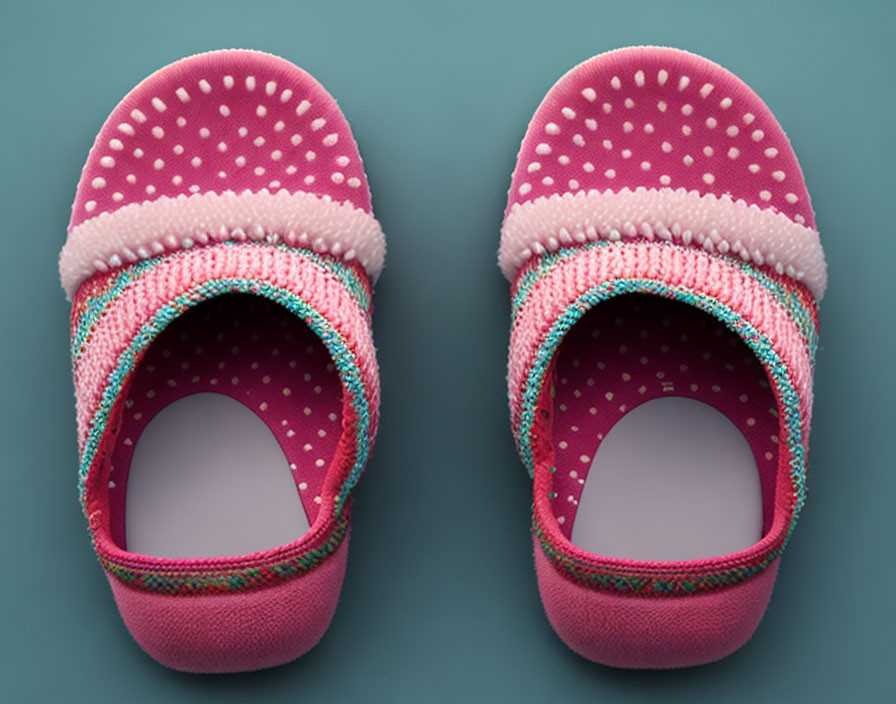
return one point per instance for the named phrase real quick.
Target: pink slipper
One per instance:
(219, 259)
(666, 272)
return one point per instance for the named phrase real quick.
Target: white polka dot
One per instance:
(626, 153)
(771, 152)
(258, 141)
(525, 188)
(107, 161)
(711, 122)
(733, 153)
(296, 139)
(753, 168)
(610, 173)
(588, 166)
(616, 83)
(552, 128)
(683, 83)
(589, 94)
(125, 128)
(688, 160)
(337, 177)
(330, 139)
(317, 124)
(665, 179)
(261, 111)
(591, 123)
(732, 131)
(778, 175)
(302, 108)
(765, 195)
(645, 166)
(627, 127)
(629, 103)
(90, 206)
(569, 113)
(543, 149)
(666, 147)
(661, 106)
(607, 144)
(196, 161)
(791, 198)
(725, 103)
(757, 135)
(748, 118)
(687, 109)
(224, 110)
(204, 132)
(310, 155)
(240, 161)
(276, 155)
(259, 170)
(222, 146)
(708, 151)
(309, 179)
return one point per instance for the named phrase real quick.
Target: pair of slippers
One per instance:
(665, 272)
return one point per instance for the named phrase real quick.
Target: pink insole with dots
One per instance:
(256, 353)
(632, 349)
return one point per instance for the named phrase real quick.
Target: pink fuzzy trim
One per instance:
(715, 223)
(142, 230)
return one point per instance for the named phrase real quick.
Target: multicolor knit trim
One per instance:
(223, 581)
(795, 297)
(343, 358)
(657, 584)
(90, 303)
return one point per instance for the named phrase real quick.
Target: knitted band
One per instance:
(707, 221)
(774, 317)
(143, 230)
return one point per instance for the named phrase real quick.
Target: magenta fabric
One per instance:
(633, 632)
(235, 632)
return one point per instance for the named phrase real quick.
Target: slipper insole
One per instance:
(228, 430)
(665, 434)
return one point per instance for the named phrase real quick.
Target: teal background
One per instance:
(440, 601)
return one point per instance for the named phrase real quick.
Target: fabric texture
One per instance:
(653, 173)
(222, 240)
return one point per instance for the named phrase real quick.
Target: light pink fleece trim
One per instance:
(141, 230)
(716, 223)
(157, 287)
(691, 269)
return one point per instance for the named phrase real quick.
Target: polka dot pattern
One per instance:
(256, 353)
(658, 118)
(633, 349)
(227, 120)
